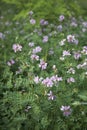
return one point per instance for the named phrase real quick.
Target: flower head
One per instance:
(48, 82)
(77, 55)
(34, 57)
(11, 62)
(61, 18)
(50, 96)
(31, 12)
(32, 21)
(31, 44)
(45, 39)
(59, 28)
(71, 80)
(43, 22)
(84, 51)
(66, 53)
(17, 47)
(36, 79)
(70, 38)
(66, 110)
(42, 64)
(37, 49)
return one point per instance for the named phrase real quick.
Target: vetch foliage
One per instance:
(43, 74)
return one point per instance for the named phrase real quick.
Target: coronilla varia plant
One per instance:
(43, 79)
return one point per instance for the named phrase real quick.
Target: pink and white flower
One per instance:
(32, 21)
(31, 44)
(17, 47)
(11, 62)
(45, 39)
(43, 64)
(47, 82)
(70, 38)
(37, 49)
(71, 80)
(34, 57)
(50, 96)
(66, 53)
(61, 18)
(66, 110)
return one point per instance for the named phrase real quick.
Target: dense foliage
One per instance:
(43, 81)
(45, 9)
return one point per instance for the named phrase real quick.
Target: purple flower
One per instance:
(37, 49)
(71, 80)
(36, 79)
(70, 38)
(84, 24)
(66, 110)
(31, 13)
(59, 78)
(43, 22)
(55, 78)
(42, 64)
(34, 57)
(59, 28)
(45, 39)
(50, 96)
(11, 62)
(48, 82)
(61, 18)
(66, 53)
(32, 21)
(76, 41)
(17, 47)
(74, 24)
(77, 55)
(31, 44)
(84, 51)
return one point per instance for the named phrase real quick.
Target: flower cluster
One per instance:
(31, 44)
(32, 21)
(17, 47)
(48, 82)
(61, 18)
(66, 53)
(34, 57)
(66, 110)
(45, 39)
(72, 39)
(42, 64)
(11, 62)
(37, 49)
(71, 80)
(51, 96)
(43, 22)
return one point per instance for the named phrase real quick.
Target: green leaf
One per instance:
(83, 97)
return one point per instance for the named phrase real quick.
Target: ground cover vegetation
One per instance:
(43, 65)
